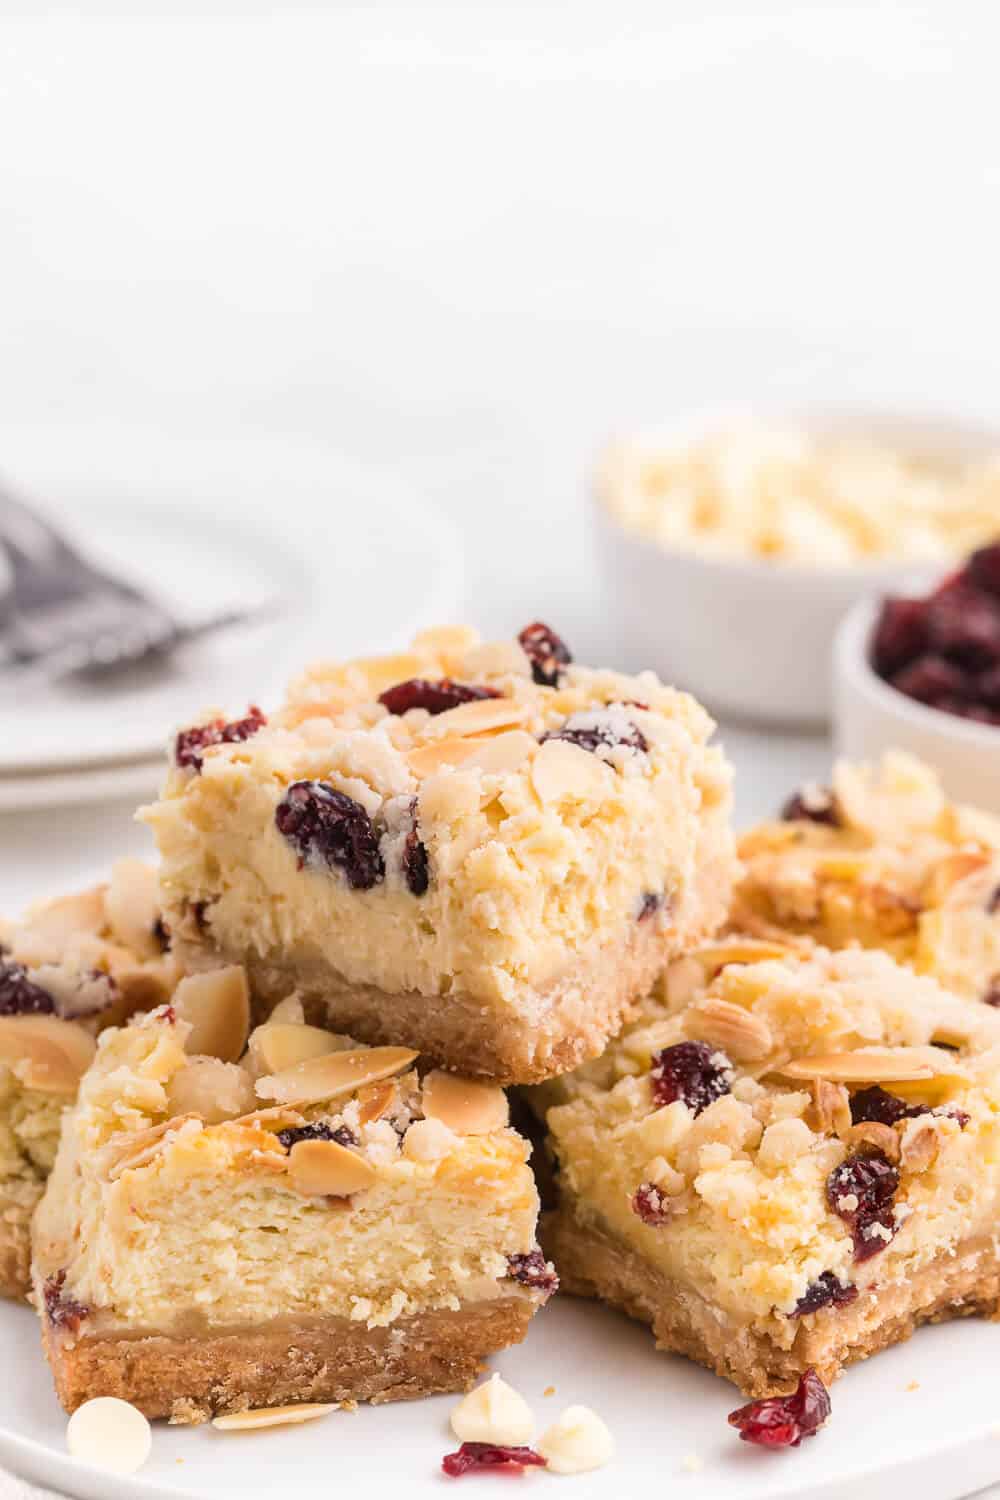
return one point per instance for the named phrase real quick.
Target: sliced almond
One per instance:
(739, 1033)
(465, 1105)
(325, 1169)
(281, 1044)
(322, 1078)
(381, 672)
(872, 1133)
(48, 1053)
(483, 716)
(138, 1148)
(877, 1065)
(714, 956)
(375, 1100)
(952, 870)
(276, 1117)
(217, 1005)
(426, 760)
(830, 1110)
(495, 659)
(271, 1416)
(562, 771)
(446, 640)
(505, 752)
(132, 905)
(919, 1143)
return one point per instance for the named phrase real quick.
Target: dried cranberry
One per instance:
(343, 1135)
(161, 933)
(327, 825)
(437, 697)
(878, 1105)
(546, 651)
(599, 736)
(62, 1312)
(986, 688)
(983, 569)
(21, 996)
(693, 1072)
(826, 1291)
(483, 1456)
(649, 904)
(872, 1181)
(650, 1205)
(783, 1421)
(963, 624)
(930, 679)
(416, 865)
(900, 635)
(812, 804)
(191, 743)
(532, 1269)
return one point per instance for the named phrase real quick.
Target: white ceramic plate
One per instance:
(210, 523)
(937, 1441)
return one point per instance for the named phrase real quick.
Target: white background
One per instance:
(464, 242)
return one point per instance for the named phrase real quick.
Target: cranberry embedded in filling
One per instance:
(812, 804)
(861, 1191)
(328, 827)
(533, 1270)
(693, 1072)
(190, 744)
(435, 696)
(650, 1205)
(62, 1312)
(343, 1135)
(826, 1291)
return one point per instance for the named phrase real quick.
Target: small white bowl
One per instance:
(752, 639)
(870, 716)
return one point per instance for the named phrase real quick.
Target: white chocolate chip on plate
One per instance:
(109, 1433)
(271, 1416)
(493, 1413)
(576, 1442)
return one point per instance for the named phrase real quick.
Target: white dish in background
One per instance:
(919, 1420)
(753, 639)
(208, 523)
(870, 716)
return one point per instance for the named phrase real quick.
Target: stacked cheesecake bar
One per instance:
(425, 877)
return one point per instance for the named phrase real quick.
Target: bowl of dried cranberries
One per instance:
(919, 670)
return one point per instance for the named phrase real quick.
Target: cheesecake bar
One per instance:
(70, 967)
(313, 1222)
(881, 858)
(482, 851)
(790, 1173)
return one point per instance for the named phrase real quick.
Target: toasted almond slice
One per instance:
(465, 1105)
(872, 1133)
(325, 1169)
(374, 1101)
(137, 1148)
(428, 759)
(271, 1416)
(53, 1054)
(277, 1115)
(830, 1110)
(132, 905)
(55, 923)
(321, 1078)
(952, 870)
(281, 1044)
(217, 1004)
(563, 771)
(714, 956)
(738, 1032)
(381, 672)
(483, 716)
(505, 752)
(874, 1065)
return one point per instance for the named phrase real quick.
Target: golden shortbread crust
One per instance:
(592, 1263)
(333, 1359)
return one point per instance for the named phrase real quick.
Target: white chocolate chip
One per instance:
(577, 1442)
(493, 1413)
(110, 1434)
(428, 1140)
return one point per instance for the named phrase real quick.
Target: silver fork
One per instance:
(63, 614)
